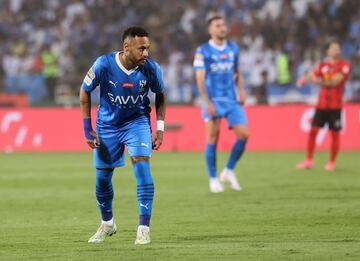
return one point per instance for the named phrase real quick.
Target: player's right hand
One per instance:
(210, 109)
(94, 142)
(157, 140)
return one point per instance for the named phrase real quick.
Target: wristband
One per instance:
(88, 129)
(160, 125)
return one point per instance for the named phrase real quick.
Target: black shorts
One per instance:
(332, 117)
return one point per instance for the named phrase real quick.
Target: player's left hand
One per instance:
(94, 142)
(242, 96)
(157, 140)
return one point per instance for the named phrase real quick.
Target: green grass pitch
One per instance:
(48, 209)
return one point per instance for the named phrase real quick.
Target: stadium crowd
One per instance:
(47, 45)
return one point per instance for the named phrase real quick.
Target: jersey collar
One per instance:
(126, 71)
(217, 47)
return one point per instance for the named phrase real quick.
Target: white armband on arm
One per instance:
(160, 125)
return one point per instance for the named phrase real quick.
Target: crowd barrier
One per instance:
(272, 128)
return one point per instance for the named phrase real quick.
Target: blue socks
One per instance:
(210, 155)
(104, 192)
(236, 153)
(145, 191)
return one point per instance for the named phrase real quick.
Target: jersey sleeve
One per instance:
(346, 70)
(199, 60)
(157, 85)
(236, 58)
(93, 76)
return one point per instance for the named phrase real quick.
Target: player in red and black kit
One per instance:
(331, 74)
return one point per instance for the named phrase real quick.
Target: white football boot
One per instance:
(102, 233)
(228, 176)
(143, 235)
(215, 185)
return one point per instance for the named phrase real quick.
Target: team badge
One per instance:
(142, 84)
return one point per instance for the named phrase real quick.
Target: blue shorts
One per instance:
(135, 135)
(231, 110)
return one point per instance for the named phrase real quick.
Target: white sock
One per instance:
(143, 226)
(109, 222)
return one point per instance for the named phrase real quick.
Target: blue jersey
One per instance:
(123, 93)
(220, 65)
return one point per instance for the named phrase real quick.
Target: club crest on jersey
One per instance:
(128, 85)
(142, 84)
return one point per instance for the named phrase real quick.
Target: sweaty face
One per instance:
(137, 49)
(218, 29)
(334, 51)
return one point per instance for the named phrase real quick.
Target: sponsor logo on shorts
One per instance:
(144, 144)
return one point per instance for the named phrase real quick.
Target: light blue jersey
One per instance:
(123, 93)
(220, 65)
(123, 117)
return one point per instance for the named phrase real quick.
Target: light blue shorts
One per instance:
(135, 135)
(231, 110)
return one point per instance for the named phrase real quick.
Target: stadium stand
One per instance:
(39, 38)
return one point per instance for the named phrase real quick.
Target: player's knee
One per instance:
(243, 135)
(136, 159)
(212, 138)
(103, 178)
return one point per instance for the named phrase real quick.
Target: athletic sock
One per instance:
(311, 143)
(104, 192)
(335, 144)
(236, 153)
(109, 222)
(145, 191)
(210, 155)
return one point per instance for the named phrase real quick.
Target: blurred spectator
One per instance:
(11, 65)
(51, 70)
(355, 77)
(283, 68)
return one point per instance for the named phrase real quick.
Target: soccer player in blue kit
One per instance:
(221, 87)
(123, 119)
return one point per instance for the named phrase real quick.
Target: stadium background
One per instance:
(47, 203)
(47, 47)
